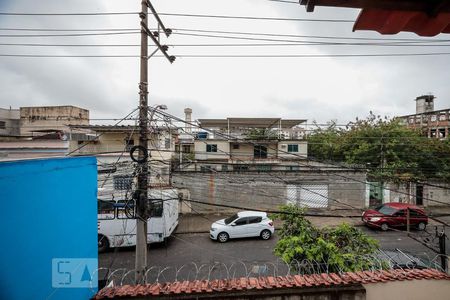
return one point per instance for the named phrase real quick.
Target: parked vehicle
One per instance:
(117, 223)
(395, 215)
(242, 224)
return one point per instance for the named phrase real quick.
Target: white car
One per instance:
(242, 224)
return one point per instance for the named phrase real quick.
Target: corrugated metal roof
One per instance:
(265, 283)
(395, 21)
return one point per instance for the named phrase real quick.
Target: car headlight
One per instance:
(375, 219)
(213, 229)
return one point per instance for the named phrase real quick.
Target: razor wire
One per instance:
(196, 271)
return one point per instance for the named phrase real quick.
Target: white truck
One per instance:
(117, 227)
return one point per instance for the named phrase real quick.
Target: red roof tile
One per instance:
(296, 281)
(395, 21)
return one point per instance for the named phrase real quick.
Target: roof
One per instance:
(247, 285)
(251, 122)
(116, 128)
(395, 21)
(423, 17)
(250, 213)
(426, 113)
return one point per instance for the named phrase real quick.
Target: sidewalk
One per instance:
(196, 223)
(200, 223)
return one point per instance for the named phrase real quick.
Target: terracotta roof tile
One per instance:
(261, 283)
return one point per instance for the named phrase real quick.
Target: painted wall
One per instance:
(268, 190)
(49, 211)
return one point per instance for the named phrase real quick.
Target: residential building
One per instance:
(111, 144)
(261, 144)
(39, 131)
(433, 123)
(9, 122)
(43, 120)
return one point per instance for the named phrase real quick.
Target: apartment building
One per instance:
(239, 144)
(433, 123)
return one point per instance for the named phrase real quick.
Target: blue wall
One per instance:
(48, 210)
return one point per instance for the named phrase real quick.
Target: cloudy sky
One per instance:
(319, 89)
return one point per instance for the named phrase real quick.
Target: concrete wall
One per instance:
(283, 148)
(268, 190)
(411, 290)
(246, 151)
(223, 148)
(51, 117)
(11, 119)
(433, 195)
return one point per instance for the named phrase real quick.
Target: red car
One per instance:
(394, 215)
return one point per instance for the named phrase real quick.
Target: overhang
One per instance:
(250, 122)
(423, 17)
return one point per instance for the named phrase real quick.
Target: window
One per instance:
(241, 221)
(231, 219)
(433, 118)
(292, 168)
(211, 148)
(186, 149)
(292, 148)
(167, 143)
(129, 143)
(207, 168)
(241, 167)
(2, 125)
(224, 167)
(263, 168)
(122, 182)
(156, 208)
(400, 213)
(260, 151)
(235, 146)
(254, 220)
(415, 213)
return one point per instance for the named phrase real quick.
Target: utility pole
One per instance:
(142, 184)
(141, 196)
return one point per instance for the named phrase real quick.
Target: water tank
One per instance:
(202, 135)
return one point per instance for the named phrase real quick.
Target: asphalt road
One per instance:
(189, 256)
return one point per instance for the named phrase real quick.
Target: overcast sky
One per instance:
(319, 89)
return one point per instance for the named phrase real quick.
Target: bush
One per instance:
(342, 248)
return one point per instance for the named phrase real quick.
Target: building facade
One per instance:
(433, 123)
(260, 144)
(9, 122)
(112, 144)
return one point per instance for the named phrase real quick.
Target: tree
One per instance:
(387, 148)
(343, 248)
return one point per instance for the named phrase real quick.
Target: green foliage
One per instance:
(342, 248)
(261, 134)
(389, 150)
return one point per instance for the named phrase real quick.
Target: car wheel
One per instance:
(222, 237)
(421, 226)
(266, 234)
(103, 243)
(384, 226)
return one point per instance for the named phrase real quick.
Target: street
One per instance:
(189, 256)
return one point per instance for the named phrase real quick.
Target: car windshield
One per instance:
(231, 219)
(386, 210)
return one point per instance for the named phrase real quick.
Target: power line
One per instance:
(68, 14)
(311, 36)
(256, 18)
(177, 15)
(232, 55)
(68, 34)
